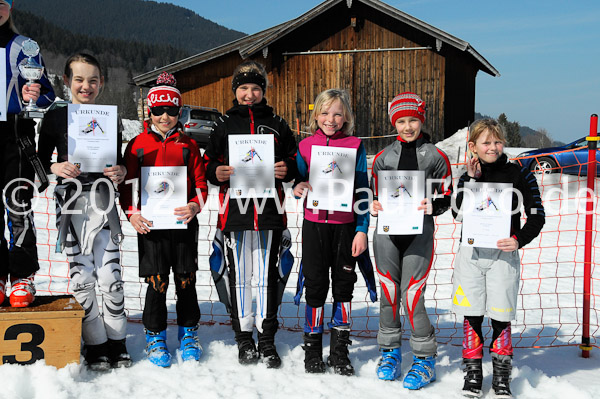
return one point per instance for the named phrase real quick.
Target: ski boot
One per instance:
(313, 353)
(188, 343)
(117, 353)
(501, 379)
(338, 351)
(421, 373)
(388, 368)
(267, 351)
(96, 357)
(3, 280)
(473, 378)
(247, 353)
(23, 292)
(156, 348)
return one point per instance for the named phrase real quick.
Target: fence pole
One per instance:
(592, 140)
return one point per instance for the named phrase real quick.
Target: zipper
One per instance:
(326, 211)
(255, 218)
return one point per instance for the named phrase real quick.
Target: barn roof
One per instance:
(251, 44)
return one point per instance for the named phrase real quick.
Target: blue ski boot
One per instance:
(421, 373)
(388, 368)
(188, 343)
(156, 348)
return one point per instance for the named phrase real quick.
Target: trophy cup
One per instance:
(32, 71)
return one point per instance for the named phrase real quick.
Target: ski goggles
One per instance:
(159, 111)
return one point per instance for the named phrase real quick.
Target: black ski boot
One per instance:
(313, 353)
(501, 380)
(117, 353)
(246, 348)
(338, 352)
(96, 357)
(473, 378)
(268, 352)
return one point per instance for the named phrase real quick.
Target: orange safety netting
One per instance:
(550, 299)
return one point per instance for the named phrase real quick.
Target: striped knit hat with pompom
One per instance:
(164, 94)
(407, 104)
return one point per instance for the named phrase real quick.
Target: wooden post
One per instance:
(49, 329)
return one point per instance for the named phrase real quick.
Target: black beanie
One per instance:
(249, 77)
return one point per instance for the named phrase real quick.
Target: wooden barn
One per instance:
(367, 47)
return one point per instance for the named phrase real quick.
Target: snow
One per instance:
(538, 373)
(554, 372)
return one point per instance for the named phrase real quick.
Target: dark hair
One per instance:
(250, 72)
(81, 57)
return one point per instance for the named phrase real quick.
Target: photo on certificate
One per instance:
(486, 209)
(331, 177)
(253, 159)
(163, 188)
(400, 193)
(92, 141)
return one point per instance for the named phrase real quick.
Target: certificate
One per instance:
(3, 109)
(486, 209)
(331, 177)
(163, 189)
(253, 159)
(92, 141)
(400, 193)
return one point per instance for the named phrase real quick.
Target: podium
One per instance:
(49, 329)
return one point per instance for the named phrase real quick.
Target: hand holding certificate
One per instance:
(92, 134)
(486, 211)
(401, 193)
(163, 189)
(253, 158)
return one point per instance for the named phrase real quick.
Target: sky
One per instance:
(547, 52)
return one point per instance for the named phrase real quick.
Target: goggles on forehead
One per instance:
(159, 111)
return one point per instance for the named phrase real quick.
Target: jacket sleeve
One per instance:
(377, 166)
(214, 154)
(197, 172)
(532, 203)
(288, 143)
(361, 184)
(47, 141)
(443, 189)
(302, 168)
(131, 181)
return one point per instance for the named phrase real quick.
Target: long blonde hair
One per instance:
(325, 99)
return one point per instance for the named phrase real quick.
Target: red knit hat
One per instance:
(407, 104)
(164, 94)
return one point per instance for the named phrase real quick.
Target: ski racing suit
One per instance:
(327, 238)
(89, 239)
(160, 251)
(404, 261)
(486, 280)
(252, 227)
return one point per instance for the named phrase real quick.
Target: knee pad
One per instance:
(158, 282)
(89, 286)
(185, 280)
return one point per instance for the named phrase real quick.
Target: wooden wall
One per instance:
(372, 78)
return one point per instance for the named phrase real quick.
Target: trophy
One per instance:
(32, 71)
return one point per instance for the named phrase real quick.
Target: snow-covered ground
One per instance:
(550, 314)
(538, 373)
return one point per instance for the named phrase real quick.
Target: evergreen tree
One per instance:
(512, 131)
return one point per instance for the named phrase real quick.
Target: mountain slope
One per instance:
(133, 20)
